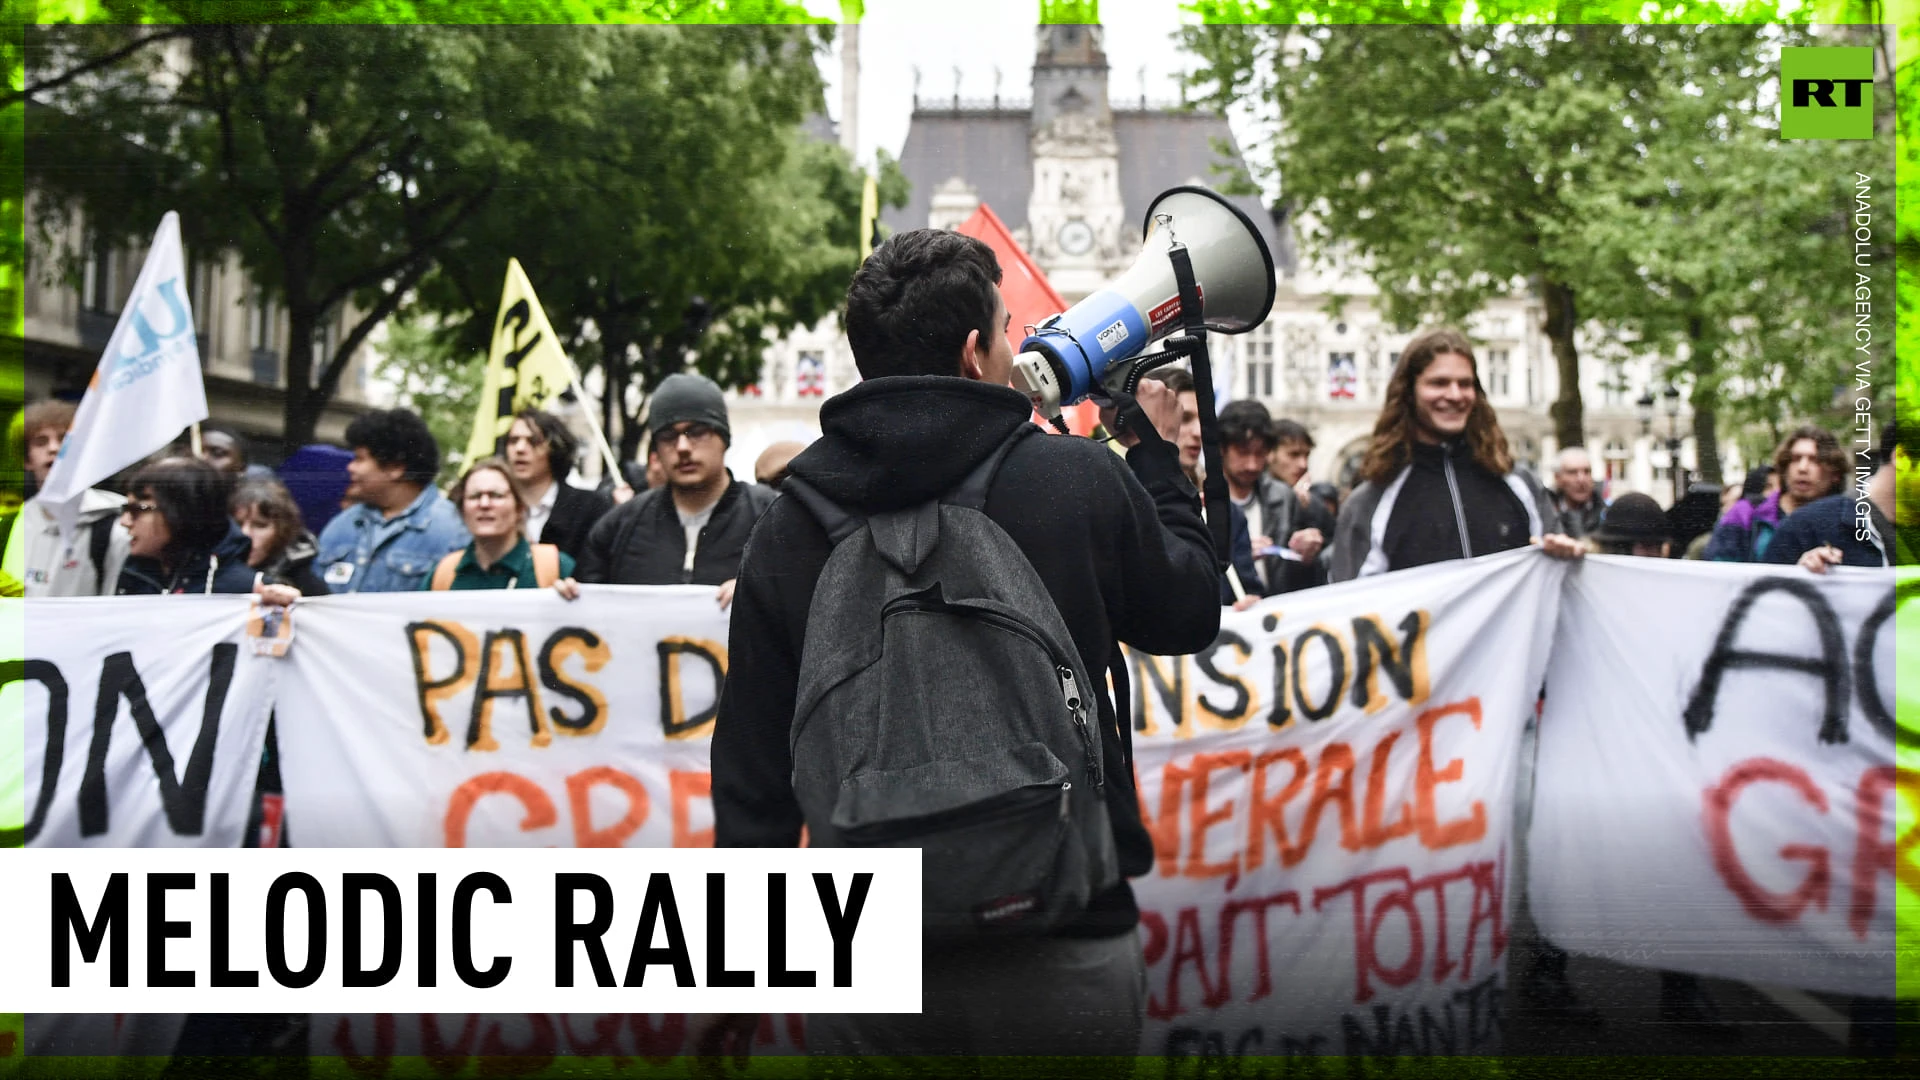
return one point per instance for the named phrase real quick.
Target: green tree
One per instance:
(339, 162)
(1732, 247)
(681, 219)
(1450, 160)
(430, 378)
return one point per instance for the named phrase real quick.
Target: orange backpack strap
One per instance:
(546, 565)
(443, 570)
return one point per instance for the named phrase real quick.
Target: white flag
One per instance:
(147, 388)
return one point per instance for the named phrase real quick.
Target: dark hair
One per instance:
(1243, 422)
(1286, 431)
(239, 441)
(47, 414)
(193, 497)
(397, 437)
(1177, 379)
(914, 301)
(270, 499)
(494, 464)
(1393, 433)
(562, 447)
(1825, 447)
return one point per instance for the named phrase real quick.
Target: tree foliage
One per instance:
(338, 162)
(1588, 163)
(677, 218)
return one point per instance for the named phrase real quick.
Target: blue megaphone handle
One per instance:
(1103, 329)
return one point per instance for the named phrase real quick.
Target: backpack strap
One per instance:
(837, 522)
(972, 491)
(443, 570)
(546, 565)
(98, 541)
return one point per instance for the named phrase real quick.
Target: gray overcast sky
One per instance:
(978, 35)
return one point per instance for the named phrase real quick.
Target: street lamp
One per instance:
(1671, 397)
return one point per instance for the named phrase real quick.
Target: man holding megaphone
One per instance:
(1116, 547)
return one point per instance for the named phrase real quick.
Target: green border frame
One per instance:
(1903, 15)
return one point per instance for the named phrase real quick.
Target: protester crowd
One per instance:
(1114, 533)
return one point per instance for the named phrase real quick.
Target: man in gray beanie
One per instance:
(692, 529)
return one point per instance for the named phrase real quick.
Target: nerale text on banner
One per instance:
(143, 729)
(1719, 791)
(1330, 790)
(496, 719)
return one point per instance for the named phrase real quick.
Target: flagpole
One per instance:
(599, 436)
(193, 437)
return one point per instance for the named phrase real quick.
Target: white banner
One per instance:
(493, 719)
(1717, 785)
(1330, 789)
(140, 721)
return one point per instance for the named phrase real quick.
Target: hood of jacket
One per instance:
(892, 443)
(1742, 514)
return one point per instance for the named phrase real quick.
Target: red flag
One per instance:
(1030, 298)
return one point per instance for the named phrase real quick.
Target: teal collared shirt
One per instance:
(513, 571)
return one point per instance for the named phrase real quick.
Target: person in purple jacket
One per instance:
(1810, 465)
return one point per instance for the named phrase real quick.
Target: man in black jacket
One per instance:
(1274, 512)
(693, 529)
(1121, 549)
(542, 453)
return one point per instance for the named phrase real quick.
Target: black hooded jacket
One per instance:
(1119, 545)
(226, 564)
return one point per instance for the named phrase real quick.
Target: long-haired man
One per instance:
(1439, 482)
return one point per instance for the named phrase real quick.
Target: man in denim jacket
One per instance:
(402, 525)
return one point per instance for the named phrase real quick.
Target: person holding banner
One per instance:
(283, 550)
(494, 506)
(180, 537)
(692, 530)
(541, 452)
(1849, 530)
(391, 541)
(1810, 465)
(1439, 482)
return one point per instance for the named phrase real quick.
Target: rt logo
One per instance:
(1826, 93)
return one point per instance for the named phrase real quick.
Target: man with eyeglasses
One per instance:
(693, 529)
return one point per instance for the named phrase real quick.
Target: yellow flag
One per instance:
(869, 215)
(525, 367)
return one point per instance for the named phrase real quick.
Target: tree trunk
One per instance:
(1704, 400)
(1706, 437)
(301, 414)
(615, 337)
(1569, 418)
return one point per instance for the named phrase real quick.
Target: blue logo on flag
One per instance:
(151, 347)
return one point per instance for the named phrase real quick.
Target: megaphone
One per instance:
(1089, 349)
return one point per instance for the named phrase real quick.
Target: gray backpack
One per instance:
(942, 705)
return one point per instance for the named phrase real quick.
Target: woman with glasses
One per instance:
(180, 537)
(494, 508)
